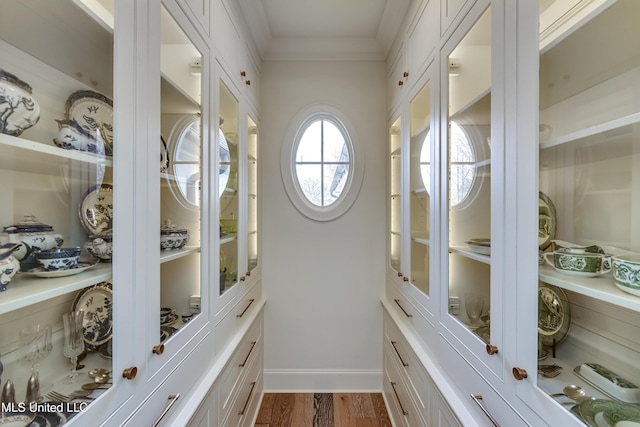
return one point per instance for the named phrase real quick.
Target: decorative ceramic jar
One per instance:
(58, 258)
(18, 109)
(173, 237)
(100, 247)
(71, 136)
(32, 235)
(9, 266)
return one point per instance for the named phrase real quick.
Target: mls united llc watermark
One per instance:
(33, 407)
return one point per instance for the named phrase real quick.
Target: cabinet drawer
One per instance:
(418, 380)
(178, 383)
(470, 383)
(248, 350)
(242, 401)
(398, 397)
(240, 312)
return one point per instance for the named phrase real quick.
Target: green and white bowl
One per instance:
(626, 273)
(578, 262)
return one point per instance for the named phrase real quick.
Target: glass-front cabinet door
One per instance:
(183, 191)
(57, 142)
(420, 187)
(395, 188)
(228, 188)
(469, 188)
(588, 305)
(252, 196)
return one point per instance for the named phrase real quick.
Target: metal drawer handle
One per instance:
(244, 408)
(253, 344)
(393, 343)
(173, 398)
(477, 398)
(246, 308)
(393, 386)
(402, 308)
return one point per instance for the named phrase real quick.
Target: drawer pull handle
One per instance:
(492, 349)
(477, 398)
(393, 343)
(402, 308)
(253, 344)
(393, 386)
(519, 373)
(244, 408)
(246, 308)
(173, 398)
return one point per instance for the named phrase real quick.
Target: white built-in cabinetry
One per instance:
(183, 84)
(523, 97)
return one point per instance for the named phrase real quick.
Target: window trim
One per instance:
(296, 129)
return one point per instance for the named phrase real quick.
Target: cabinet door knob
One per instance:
(406, 74)
(400, 83)
(405, 279)
(519, 374)
(243, 73)
(242, 278)
(248, 82)
(399, 274)
(130, 373)
(158, 349)
(492, 349)
(248, 273)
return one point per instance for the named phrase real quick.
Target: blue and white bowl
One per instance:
(58, 258)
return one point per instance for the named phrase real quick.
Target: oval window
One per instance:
(320, 166)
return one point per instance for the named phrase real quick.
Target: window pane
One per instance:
(309, 177)
(188, 149)
(335, 177)
(335, 149)
(310, 143)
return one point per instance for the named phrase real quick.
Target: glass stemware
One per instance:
(474, 303)
(35, 345)
(73, 340)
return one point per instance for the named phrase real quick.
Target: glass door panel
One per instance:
(589, 202)
(395, 177)
(181, 183)
(252, 195)
(420, 181)
(469, 177)
(56, 169)
(229, 202)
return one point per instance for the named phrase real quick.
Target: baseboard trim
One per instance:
(322, 381)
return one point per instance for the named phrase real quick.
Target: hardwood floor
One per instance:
(323, 410)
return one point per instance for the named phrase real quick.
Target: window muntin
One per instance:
(322, 161)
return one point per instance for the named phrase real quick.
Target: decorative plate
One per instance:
(93, 111)
(547, 221)
(97, 303)
(78, 268)
(106, 350)
(554, 314)
(164, 156)
(480, 246)
(96, 210)
(166, 332)
(605, 413)
(170, 319)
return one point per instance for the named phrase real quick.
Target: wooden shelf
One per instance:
(25, 289)
(166, 256)
(468, 253)
(24, 155)
(601, 287)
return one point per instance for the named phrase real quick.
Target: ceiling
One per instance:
(324, 29)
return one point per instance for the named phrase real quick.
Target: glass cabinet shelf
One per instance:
(601, 288)
(467, 253)
(26, 290)
(178, 253)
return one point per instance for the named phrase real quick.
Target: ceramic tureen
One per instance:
(9, 266)
(172, 236)
(32, 236)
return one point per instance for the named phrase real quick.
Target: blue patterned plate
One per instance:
(97, 303)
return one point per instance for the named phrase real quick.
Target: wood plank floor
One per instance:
(323, 410)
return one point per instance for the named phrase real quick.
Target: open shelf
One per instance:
(601, 287)
(25, 290)
(166, 256)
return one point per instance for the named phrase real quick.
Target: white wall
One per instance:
(323, 281)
